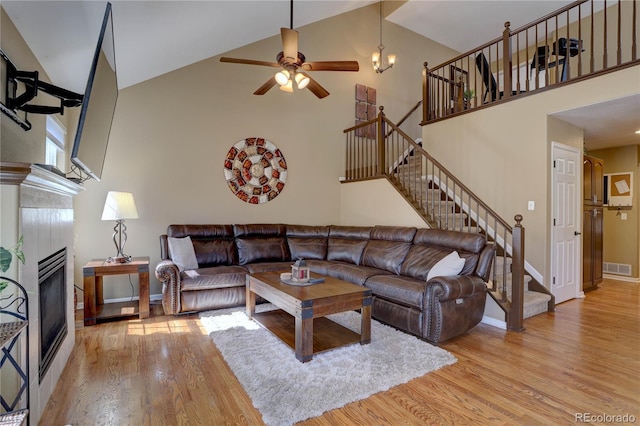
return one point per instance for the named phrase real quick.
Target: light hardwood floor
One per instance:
(583, 358)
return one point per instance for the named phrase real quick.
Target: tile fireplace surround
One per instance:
(38, 205)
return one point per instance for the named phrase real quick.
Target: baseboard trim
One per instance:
(494, 322)
(622, 278)
(152, 298)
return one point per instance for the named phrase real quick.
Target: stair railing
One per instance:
(379, 149)
(582, 40)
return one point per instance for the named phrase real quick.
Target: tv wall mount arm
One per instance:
(32, 85)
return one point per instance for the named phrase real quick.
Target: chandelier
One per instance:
(377, 59)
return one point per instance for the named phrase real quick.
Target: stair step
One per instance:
(535, 303)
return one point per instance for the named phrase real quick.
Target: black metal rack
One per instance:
(14, 317)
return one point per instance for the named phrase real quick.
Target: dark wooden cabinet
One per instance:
(593, 175)
(592, 222)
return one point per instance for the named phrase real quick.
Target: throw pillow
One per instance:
(182, 253)
(451, 264)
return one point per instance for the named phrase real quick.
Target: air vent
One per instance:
(617, 268)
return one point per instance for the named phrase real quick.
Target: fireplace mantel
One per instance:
(37, 204)
(35, 176)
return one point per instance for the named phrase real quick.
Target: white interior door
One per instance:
(565, 251)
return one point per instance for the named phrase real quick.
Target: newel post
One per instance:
(381, 136)
(425, 94)
(506, 60)
(515, 319)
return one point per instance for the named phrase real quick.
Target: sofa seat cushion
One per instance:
(215, 277)
(403, 290)
(320, 266)
(268, 267)
(352, 273)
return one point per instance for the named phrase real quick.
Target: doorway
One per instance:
(566, 172)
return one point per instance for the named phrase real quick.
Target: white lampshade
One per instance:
(392, 59)
(282, 77)
(302, 80)
(287, 87)
(119, 205)
(375, 58)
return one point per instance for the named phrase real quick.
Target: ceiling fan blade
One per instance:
(266, 86)
(316, 89)
(331, 66)
(249, 62)
(289, 44)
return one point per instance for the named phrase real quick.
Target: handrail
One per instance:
(407, 115)
(442, 200)
(568, 45)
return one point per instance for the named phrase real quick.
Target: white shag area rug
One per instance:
(287, 391)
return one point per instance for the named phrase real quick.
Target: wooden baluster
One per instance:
(506, 60)
(604, 35)
(591, 39)
(634, 53)
(567, 56)
(381, 133)
(580, 38)
(426, 101)
(557, 49)
(620, 32)
(515, 321)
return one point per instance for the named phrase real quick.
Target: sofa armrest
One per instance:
(168, 274)
(455, 287)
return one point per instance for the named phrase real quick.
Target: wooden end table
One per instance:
(94, 307)
(301, 320)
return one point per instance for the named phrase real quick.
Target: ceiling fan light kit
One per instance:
(293, 63)
(377, 58)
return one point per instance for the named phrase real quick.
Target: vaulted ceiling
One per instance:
(156, 37)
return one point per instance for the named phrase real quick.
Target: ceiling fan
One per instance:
(294, 66)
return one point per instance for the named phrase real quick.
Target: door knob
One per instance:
(576, 233)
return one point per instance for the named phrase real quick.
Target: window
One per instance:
(54, 148)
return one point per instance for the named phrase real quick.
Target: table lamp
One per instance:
(119, 206)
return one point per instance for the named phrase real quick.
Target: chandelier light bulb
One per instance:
(302, 80)
(287, 87)
(282, 77)
(392, 60)
(375, 58)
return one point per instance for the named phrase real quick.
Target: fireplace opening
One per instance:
(53, 309)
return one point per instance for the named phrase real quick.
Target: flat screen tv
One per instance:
(98, 105)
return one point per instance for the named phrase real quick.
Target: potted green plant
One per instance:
(467, 95)
(6, 257)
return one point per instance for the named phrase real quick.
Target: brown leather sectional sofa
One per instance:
(392, 261)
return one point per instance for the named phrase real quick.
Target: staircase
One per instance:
(443, 212)
(445, 203)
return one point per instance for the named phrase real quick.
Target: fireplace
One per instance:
(53, 309)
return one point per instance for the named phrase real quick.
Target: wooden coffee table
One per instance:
(300, 322)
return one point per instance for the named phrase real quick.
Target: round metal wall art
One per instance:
(256, 170)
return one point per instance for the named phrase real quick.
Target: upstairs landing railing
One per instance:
(582, 40)
(379, 149)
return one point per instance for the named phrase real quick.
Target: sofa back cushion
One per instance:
(347, 243)
(388, 247)
(213, 244)
(432, 245)
(261, 243)
(308, 242)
